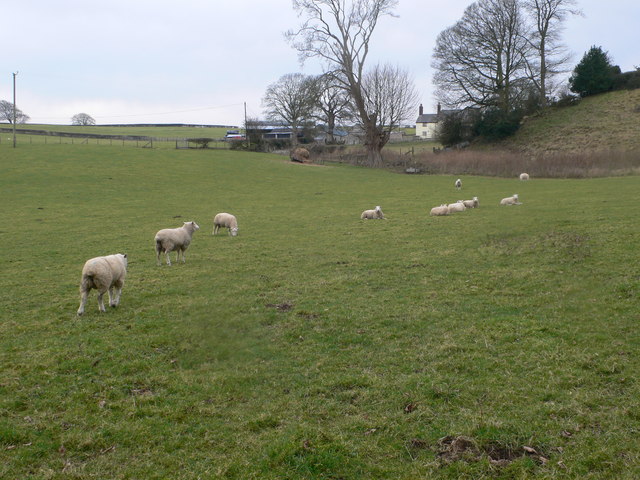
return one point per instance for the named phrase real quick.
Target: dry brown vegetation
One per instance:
(598, 137)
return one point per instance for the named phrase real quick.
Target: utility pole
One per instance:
(246, 133)
(14, 109)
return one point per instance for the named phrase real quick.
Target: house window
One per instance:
(424, 133)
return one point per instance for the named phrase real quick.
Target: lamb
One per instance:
(169, 239)
(438, 211)
(225, 220)
(511, 200)
(372, 214)
(474, 203)
(524, 177)
(104, 274)
(456, 207)
(458, 184)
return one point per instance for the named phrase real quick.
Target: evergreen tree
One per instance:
(594, 74)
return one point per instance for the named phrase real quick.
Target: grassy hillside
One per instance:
(609, 121)
(497, 343)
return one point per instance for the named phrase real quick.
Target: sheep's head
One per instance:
(123, 257)
(515, 195)
(192, 225)
(233, 231)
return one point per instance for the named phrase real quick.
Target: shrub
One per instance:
(495, 124)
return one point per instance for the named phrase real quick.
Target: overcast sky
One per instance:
(199, 61)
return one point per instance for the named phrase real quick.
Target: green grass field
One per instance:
(500, 342)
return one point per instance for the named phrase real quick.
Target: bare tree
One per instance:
(338, 32)
(481, 60)
(6, 113)
(82, 119)
(290, 101)
(390, 93)
(333, 104)
(547, 17)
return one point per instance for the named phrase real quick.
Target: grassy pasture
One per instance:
(314, 344)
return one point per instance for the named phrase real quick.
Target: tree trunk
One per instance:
(375, 140)
(331, 125)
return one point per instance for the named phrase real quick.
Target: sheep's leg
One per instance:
(114, 295)
(166, 253)
(83, 301)
(115, 301)
(100, 300)
(184, 253)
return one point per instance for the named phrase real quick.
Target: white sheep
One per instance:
(225, 220)
(372, 214)
(458, 184)
(456, 207)
(524, 177)
(438, 211)
(104, 274)
(511, 200)
(474, 203)
(169, 239)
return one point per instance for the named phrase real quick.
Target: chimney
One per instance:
(439, 108)
(420, 110)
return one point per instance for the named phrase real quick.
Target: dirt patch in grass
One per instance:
(281, 307)
(460, 448)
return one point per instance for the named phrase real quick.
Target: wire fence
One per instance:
(36, 137)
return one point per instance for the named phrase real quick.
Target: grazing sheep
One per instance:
(472, 203)
(299, 155)
(524, 176)
(456, 207)
(169, 239)
(372, 214)
(438, 211)
(104, 274)
(225, 220)
(458, 184)
(511, 200)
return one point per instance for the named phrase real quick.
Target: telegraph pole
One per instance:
(246, 132)
(14, 109)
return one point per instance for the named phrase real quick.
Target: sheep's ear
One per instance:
(125, 255)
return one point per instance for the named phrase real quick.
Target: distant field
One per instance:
(156, 132)
(499, 343)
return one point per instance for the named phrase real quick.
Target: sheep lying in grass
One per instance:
(104, 274)
(456, 207)
(458, 184)
(438, 211)
(225, 220)
(524, 176)
(372, 214)
(511, 200)
(169, 239)
(474, 203)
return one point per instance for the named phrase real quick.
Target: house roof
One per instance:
(427, 118)
(435, 117)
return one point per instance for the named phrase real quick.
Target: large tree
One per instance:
(594, 74)
(481, 60)
(6, 113)
(547, 17)
(390, 93)
(82, 119)
(290, 101)
(333, 105)
(339, 32)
